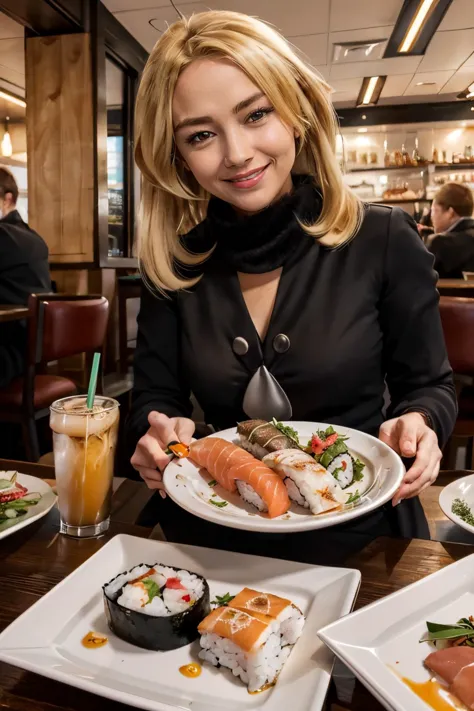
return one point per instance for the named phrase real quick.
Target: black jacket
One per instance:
(24, 270)
(454, 250)
(356, 318)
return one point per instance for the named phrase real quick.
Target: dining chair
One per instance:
(59, 326)
(457, 318)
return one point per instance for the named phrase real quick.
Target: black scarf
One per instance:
(264, 241)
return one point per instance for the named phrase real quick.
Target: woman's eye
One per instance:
(199, 137)
(258, 115)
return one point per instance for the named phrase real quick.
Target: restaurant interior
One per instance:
(401, 74)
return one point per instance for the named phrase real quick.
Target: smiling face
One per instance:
(230, 137)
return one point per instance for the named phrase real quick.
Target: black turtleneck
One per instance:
(356, 318)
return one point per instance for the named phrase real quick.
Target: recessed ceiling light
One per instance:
(370, 90)
(362, 130)
(426, 83)
(364, 116)
(12, 99)
(415, 27)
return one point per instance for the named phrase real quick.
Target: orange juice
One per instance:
(84, 443)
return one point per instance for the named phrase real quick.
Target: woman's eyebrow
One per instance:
(198, 120)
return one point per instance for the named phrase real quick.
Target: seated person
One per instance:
(453, 241)
(24, 270)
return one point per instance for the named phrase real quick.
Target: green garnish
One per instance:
(219, 504)
(212, 483)
(336, 472)
(358, 469)
(461, 509)
(153, 589)
(352, 498)
(286, 430)
(223, 600)
(464, 628)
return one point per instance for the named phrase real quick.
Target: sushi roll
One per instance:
(260, 438)
(237, 470)
(289, 616)
(155, 606)
(249, 643)
(330, 450)
(307, 482)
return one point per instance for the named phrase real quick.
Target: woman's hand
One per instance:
(410, 436)
(149, 458)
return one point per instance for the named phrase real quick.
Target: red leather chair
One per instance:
(457, 317)
(59, 325)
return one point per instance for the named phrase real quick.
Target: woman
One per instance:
(283, 268)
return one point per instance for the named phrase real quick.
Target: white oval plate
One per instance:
(459, 489)
(384, 472)
(46, 503)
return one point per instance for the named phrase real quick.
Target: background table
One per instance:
(12, 313)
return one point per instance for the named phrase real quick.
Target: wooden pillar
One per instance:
(60, 144)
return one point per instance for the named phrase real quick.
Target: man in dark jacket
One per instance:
(453, 242)
(24, 270)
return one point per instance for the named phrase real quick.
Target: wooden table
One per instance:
(9, 312)
(36, 558)
(456, 287)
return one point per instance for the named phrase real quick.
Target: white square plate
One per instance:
(46, 639)
(380, 642)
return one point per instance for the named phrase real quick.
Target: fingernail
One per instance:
(162, 494)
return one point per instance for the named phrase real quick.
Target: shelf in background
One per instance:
(398, 202)
(443, 166)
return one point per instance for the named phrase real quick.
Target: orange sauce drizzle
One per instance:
(435, 695)
(94, 640)
(264, 688)
(192, 671)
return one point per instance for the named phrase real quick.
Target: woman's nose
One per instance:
(238, 151)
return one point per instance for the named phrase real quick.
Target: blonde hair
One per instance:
(172, 202)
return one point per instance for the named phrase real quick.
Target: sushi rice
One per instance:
(249, 495)
(342, 469)
(169, 601)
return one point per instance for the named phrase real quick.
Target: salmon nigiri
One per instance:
(447, 663)
(463, 686)
(234, 468)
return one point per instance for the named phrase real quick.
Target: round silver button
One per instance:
(281, 343)
(240, 346)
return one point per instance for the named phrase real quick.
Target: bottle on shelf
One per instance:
(435, 157)
(405, 157)
(386, 155)
(416, 156)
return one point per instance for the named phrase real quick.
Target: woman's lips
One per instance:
(250, 180)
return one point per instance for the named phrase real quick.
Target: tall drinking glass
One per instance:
(84, 442)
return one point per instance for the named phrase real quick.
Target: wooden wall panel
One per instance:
(61, 145)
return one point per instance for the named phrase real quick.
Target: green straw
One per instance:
(93, 381)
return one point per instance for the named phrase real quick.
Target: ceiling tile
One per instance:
(440, 79)
(469, 61)
(298, 17)
(448, 50)
(357, 14)
(459, 16)
(345, 89)
(396, 85)
(394, 65)
(324, 71)
(459, 81)
(312, 48)
(377, 33)
(121, 5)
(137, 22)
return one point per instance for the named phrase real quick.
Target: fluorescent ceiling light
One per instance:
(12, 99)
(370, 90)
(416, 25)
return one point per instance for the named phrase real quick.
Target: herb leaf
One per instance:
(286, 430)
(336, 472)
(223, 600)
(153, 589)
(219, 504)
(358, 469)
(212, 483)
(352, 498)
(461, 509)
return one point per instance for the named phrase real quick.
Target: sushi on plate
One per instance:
(253, 645)
(260, 437)
(156, 606)
(237, 470)
(330, 450)
(308, 483)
